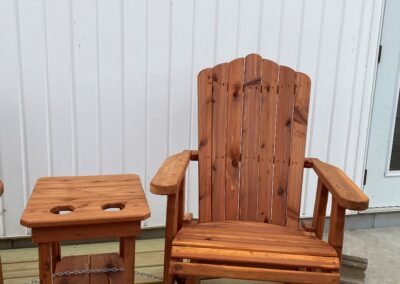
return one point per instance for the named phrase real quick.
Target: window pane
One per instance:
(395, 157)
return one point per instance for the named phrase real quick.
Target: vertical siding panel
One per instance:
(309, 61)
(323, 84)
(270, 29)
(291, 24)
(110, 92)
(157, 118)
(60, 90)
(12, 152)
(227, 30)
(342, 103)
(33, 73)
(135, 87)
(248, 27)
(86, 89)
(180, 74)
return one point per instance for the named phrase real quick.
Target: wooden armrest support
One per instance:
(1, 188)
(169, 176)
(194, 155)
(187, 218)
(347, 194)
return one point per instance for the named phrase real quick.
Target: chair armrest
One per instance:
(170, 174)
(347, 194)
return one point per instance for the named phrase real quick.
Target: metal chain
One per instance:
(88, 271)
(148, 275)
(99, 270)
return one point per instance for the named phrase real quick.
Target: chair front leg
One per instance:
(175, 209)
(336, 227)
(170, 231)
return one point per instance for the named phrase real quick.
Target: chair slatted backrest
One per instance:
(252, 135)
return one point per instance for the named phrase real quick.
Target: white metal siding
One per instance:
(109, 86)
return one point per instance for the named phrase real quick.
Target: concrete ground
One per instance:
(380, 246)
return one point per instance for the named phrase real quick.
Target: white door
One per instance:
(383, 160)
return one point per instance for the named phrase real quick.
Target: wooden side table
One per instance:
(89, 207)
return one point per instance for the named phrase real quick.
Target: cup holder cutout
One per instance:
(62, 210)
(113, 207)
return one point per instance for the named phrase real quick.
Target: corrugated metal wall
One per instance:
(109, 86)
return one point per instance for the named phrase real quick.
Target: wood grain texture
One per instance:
(205, 104)
(55, 254)
(108, 260)
(254, 112)
(170, 231)
(250, 138)
(81, 195)
(45, 265)
(219, 120)
(128, 257)
(297, 148)
(321, 200)
(234, 138)
(170, 174)
(268, 102)
(342, 188)
(255, 257)
(282, 144)
(85, 232)
(252, 273)
(336, 227)
(95, 261)
(246, 236)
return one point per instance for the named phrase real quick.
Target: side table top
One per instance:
(65, 201)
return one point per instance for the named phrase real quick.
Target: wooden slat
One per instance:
(109, 260)
(250, 138)
(85, 232)
(242, 256)
(234, 138)
(71, 263)
(269, 82)
(282, 144)
(219, 120)
(320, 209)
(204, 86)
(270, 238)
(297, 148)
(250, 273)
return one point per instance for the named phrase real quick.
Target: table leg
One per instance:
(127, 252)
(45, 263)
(55, 255)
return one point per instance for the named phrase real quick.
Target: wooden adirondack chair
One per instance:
(252, 117)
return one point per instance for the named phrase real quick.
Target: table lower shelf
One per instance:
(90, 262)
